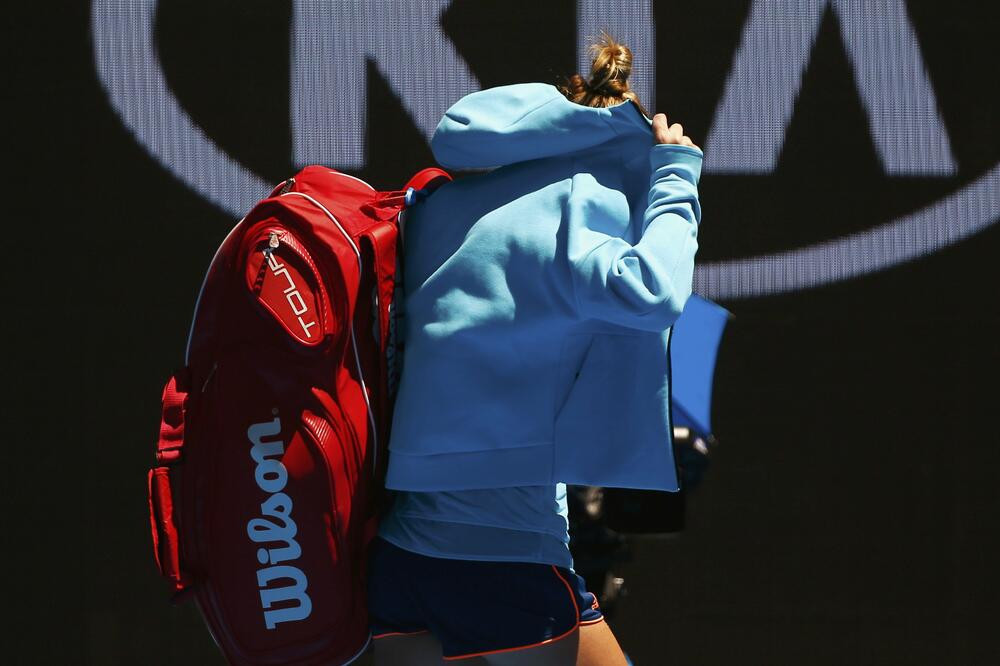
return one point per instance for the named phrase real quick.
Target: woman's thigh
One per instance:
(415, 650)
(593, 645)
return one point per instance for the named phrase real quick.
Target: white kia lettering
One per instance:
(748, 131)
(332, 42)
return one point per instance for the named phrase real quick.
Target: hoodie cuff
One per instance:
(668, 154)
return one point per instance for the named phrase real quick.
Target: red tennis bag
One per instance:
(272, 445)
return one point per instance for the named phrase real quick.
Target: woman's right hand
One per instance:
(664, 133)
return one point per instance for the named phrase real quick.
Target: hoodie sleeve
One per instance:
(514, 123)
(646, 284)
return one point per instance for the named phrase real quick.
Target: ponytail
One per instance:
(607, 84)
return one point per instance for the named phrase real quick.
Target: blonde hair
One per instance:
(608, 81)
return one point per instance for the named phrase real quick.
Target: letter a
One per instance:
(757, 103)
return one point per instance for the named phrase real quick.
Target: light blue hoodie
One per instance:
(539, 298)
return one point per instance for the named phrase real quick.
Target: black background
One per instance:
(850, 515)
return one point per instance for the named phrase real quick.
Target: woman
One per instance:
(539, 298)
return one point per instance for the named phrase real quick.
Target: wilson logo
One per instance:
(276, 530)
(292, 295)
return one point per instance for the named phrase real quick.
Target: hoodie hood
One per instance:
(527, 121)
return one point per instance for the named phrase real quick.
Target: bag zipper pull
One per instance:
(273, 241)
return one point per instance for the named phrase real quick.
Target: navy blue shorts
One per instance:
(471, 607)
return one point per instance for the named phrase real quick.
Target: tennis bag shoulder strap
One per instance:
(272, 444)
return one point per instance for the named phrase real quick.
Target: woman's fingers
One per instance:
(661, 131)
(664, 132)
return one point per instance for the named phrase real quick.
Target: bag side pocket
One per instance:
(162, 481)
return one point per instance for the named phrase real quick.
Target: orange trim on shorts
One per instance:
(594, 606)
(576, 626)
(400, 633)
(570, 590)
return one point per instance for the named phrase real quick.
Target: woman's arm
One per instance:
(643, 285)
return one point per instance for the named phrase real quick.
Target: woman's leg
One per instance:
(599, 647)
(593, 645)
(413, 650)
